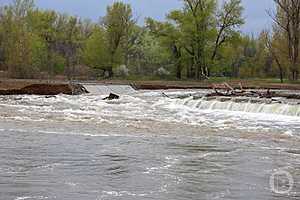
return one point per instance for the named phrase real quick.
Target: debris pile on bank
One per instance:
(225, 90)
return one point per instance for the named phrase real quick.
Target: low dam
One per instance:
(98, 89)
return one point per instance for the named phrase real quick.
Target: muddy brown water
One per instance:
(144, 146)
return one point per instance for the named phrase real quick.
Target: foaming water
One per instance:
(248, 107)
(147, 109)
(145, 146)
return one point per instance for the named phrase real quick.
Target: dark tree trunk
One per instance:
(110, 72)
(281, 75)
(188, 72)
(279, 66)
(178, 71)
(177, 55)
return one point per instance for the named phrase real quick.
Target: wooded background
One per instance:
(198, 41)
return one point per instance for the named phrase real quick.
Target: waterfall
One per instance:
(230, 105)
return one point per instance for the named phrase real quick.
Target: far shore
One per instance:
(8, 84)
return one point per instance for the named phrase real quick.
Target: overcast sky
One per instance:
(255, 10)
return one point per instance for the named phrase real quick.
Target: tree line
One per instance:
(198, 41)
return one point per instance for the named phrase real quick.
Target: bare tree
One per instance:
(287, 19)
(275, 55)
(229, 18)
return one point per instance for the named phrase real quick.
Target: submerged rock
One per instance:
(184, 96)
(255, 100)
(241, 100)
(224, 99)
(112, 96)
(210, 98)
(261, 100)
(50, 96)
(198, 96)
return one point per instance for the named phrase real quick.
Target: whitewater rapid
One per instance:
(148, 109)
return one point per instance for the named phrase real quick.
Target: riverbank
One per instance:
(16, 84)
(162, 84)
(34, 87)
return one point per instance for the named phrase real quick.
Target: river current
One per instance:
(147, 146)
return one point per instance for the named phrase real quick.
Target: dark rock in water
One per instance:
(184, 96)
(18, 98)
(256, 100)
(268, 101)
(198, 96)
(224, 99)
(210, 98)
(241, 100)
(50, 96)
(261, 100)
(112, 97)
(47, 89)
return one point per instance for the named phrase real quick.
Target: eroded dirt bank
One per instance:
(22, 88)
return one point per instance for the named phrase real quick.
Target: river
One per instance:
(147, 146)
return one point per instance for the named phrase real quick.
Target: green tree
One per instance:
(287, 21)
(42, 23)
(169, 37)
(230, 58)
(18, 44)
(117, 23)
(228, 19)
(195, 21)
(94, 52)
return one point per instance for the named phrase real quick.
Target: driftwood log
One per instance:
(225, 90)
